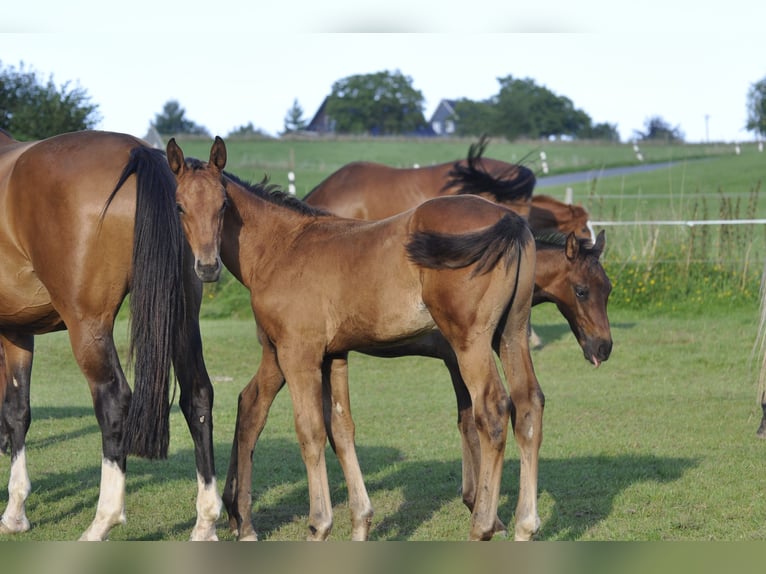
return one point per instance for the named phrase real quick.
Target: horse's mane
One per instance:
(271, 192)
(514, 184)
(558, 240)
(274, 193)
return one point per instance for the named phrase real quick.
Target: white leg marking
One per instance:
(15, 518)
(111, 502)
(208, 510)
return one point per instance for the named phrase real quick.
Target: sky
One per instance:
(231, 62)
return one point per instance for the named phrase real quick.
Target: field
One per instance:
(656, 444)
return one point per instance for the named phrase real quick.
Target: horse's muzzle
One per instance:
(208, 272)
(597, 351)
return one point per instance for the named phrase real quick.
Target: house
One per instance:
(444, 118)
(321, 123)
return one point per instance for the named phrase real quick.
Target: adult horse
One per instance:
(460, 264)
(367, 190)
(567, 272)
(86, 218)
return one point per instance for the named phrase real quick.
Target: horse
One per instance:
(461, 264)
(368, 190)
(574, 280)
(88, 217)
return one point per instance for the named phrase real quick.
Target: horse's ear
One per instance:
(600, 242)
(572, 247)
(218, 154)
(175, 157)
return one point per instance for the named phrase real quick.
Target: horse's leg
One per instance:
(252, 410)
(762, 429)
(526, 405)
(15, 420)
(304, 380)
(469, 435)
(196, 403)
(97, 357)
(490, 414)
(341, 430)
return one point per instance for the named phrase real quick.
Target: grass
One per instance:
(657, 444)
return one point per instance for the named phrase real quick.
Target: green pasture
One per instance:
(656, 444)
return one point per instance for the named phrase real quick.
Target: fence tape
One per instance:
(680, 222)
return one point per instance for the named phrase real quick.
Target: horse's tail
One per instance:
(514, 184)
(156, 300)
(484, 248)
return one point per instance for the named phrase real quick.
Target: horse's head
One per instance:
(201, 200)
(579, 286)
(548, 213)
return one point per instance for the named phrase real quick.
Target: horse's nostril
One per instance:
(208, 272)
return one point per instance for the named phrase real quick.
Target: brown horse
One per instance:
(366, 190)
(460, 264)
(88, 217)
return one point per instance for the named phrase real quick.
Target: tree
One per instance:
(294, 121)
(31, 109)
(247, 130)
(380, 103)
(657, 129)
(476, 118)
(756, 108)
(603, 131)
(528, 110)
(172, 121)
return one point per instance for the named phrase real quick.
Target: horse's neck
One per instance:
(254, 232)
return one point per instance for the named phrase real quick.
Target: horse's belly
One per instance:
(388, 323)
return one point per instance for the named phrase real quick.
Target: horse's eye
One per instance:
(581, 292)
(180, 208)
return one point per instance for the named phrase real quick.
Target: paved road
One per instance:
(585, 176)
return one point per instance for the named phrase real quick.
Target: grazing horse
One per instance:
(461, 264)
(366, 190)
(86, 218)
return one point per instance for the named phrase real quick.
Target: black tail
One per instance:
(516, 183)
(156, 300)
(484, 248)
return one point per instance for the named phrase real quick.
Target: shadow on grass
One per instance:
(553, 332)
(583, 488)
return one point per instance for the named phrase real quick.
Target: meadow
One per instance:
(656, 444)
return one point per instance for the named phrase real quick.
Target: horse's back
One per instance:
(458, 214)
(369, 190)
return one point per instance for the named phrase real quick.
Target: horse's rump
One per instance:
(484, 248)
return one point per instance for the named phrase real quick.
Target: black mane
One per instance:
(271, 192)
(558, 240)
(514, 184)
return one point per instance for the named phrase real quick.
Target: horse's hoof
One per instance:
(14, 526)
